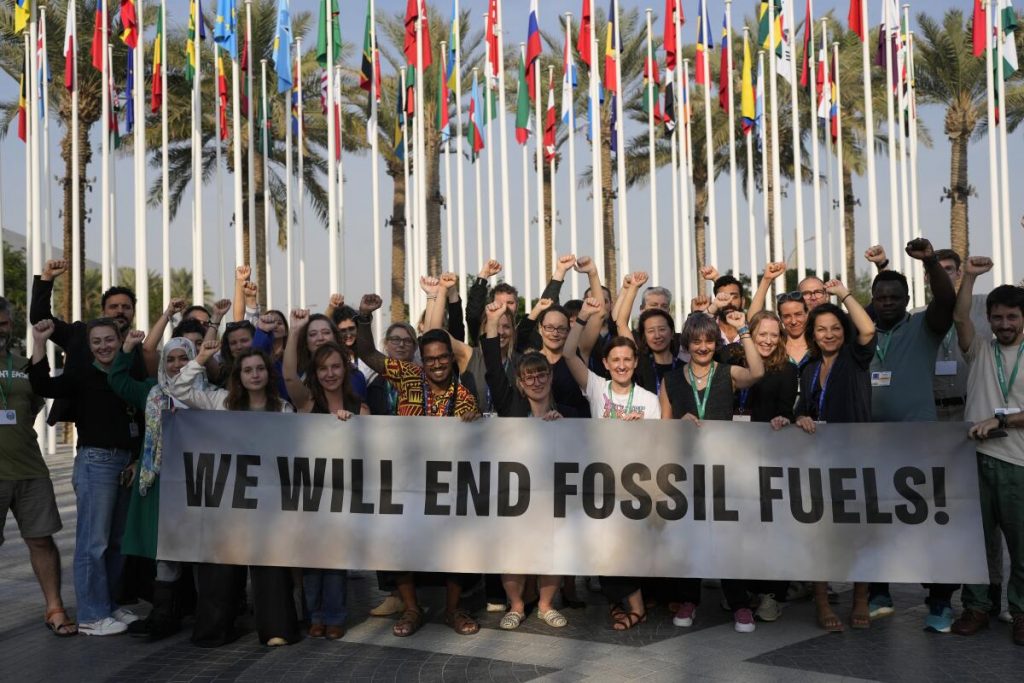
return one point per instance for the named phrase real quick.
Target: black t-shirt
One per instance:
(847, 388)
(650, 375)
(773, 396)
(719, 402)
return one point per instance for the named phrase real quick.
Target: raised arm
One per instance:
(182, 386)
(623, 307)
(591, 331)
(242, 274)
(290, 363)
(772, 271)
(497, 381)
(974, 267)
(132, 391)
(587, 266)
(365, 347)
(433, 317)
(42, 292)
(453, 304)
(553, 290)
(743, 378)
(861, 320)
(875, 255)
(578, 366)
(335, 302)
(150, 347)
(709, 274)
(476, 297)
(939, 314)
(39, 371)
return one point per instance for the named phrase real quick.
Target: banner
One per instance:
(865, 502)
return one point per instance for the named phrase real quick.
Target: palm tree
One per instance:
(948, 74)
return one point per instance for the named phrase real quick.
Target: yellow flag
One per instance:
(747, 111)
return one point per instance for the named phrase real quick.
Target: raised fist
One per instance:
(54, 268)
(490, 269)
(369, 304)
(242, 273)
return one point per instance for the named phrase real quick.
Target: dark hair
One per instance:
(114, 291)
(188, 326)
(948, 255)
(238, 397)
(225, 347)
(505, 288)
(849, 333)
(192, 309)
(533, 361)
(281, 316)
(890, 276)
(305, 357)
(103, 322)
(343, 313)
(603, 288)
(794, 297)
(1010, 296)
(657, 313)
(616, 342)
(725, 281)
(573, 307)
(435, 337)
(554, 308)
(700, 325)
(312, 382)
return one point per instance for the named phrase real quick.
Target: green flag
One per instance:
(321, 34)
(522, 107)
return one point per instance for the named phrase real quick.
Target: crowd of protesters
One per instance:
(816, 356)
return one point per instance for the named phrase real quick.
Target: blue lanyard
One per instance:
(814, 383)
(428, 401)
(744, 396)
(657, 377)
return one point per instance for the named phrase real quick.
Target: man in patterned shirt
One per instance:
(433, 390)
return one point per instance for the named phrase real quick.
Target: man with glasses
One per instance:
(812, 289)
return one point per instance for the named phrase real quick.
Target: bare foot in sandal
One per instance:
(462, 622)
(828, 620)
(860, 616)
(623, 620)
(407, 624)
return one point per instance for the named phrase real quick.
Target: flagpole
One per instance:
(165, 186)
(869, 133)
(288, 233)
(652, 164)
(410, 286)
(44, 87)
(765, 165)
(910, 265)
(686, 180)
(683, 290)
(198, 288)
(449, 234)
(620, 156)
(819, 243)
(375, 168)
(573, 234)
(459, 173)
(423, 266)
(333, 283)
(236, 132)
(506, 220)
(300, 199)
(749, 142)
(104, 159)
(492, 236)
(597, 185)
(480, 248)
(914, 212)
(998, 273)
(30, 266)
(734, 233)
(827, 262)
(76, 178)
(710, 254)
(677, 246)
(339, 160)
(114, 274)
(139, 138)
(222, 257)
(779, 254)
(265, 134)
(794, 109)
(844, 269)
(538, 145)
(527, 275)
(894, 212)
(1004, 185)
(551, 174)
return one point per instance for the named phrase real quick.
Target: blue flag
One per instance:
(283, 47)
(225, 28)
(129, 93)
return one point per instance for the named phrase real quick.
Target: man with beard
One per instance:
(994, 391)
(727, 296)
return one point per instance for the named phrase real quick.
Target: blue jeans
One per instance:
(102, 511)
(325, 591)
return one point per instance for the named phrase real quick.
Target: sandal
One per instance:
(552, 618)
(407, 624)
(65, 629)
(860, 616)
(511, 620)
(462, 622)
(828, 620)
(626, 620)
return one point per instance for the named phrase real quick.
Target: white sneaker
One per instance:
(104, 627)
(125, 615)
(1005, 617)
(768, 609)
(496, 607)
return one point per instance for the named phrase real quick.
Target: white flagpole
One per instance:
(651, 161)
(538, 146)
(236, 131)
(819, 239)
(139, 138)
(266, 182)
(551, 172)
(840, 182)
(35, 252)
(765, 166)
(420, 166)
(222, 256)
(250, 171)
(44, 86)
(339, 160)
(105, 232)
(492, 228)
(165, 186)
(894, 197)
(460, 215)
(198, 288)
(734, 212)
(506, 212)
(378, 264)
(677, 242)
(683, 287)
(686, 180)
(29, 256)
(869, 133)
(998, 272)
(480, 248)
(711, 233)
(333, 282)
(111, 206)
(751, 224)
(794, 110)
(573, 235)
(906, 232)
(827, 262)
(288, 232)
(914, 213)
(300, 199)
(597, 186)
(76, 177)
(1004, 184)
(527, 275)
(410, 286)
(449, 229)
(776, 214)
(620, 157)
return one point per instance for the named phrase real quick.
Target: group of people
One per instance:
(817, 355)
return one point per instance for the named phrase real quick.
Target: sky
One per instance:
(357, 270)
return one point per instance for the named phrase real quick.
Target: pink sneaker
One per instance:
(743, 620)
(684, 617)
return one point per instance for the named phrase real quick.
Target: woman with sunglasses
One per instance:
(704, 389)
(835, 386)
(251, 386)
(792, 308)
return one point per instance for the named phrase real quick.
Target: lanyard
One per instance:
(1005, 386)
(428, 401)
(392, 399)
(10, 378)
(883, 349)
(744, 397)
(657, 377)
(611, 400)
(824, 389)
(947, 342)
(702, 403)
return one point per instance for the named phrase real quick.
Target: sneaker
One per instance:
(880, 606)
(125, 615)
(496, 607)
(768, 609)
(1005, 617)
(799, 590)
(104, 627)
(685, 616)
(391, 605)
(939, 619)
(743, 621)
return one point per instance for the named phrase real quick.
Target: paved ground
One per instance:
(792, 649)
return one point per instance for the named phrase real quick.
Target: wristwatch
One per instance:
(1002, 420)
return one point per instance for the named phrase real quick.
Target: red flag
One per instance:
(854, 17)
(129, 24)
(978, 23)
(669, 41)
(222, 98)
(412, 15)
(23, 105)
(585, 36)
(98, 49)
(550, 123)
(70, 47)
(724, 69)
(244, 66)
(533, 49)
(491, 38)
(804, 67)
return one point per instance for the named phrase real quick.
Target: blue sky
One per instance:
(933, 176)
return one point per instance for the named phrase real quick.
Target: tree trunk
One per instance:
(549, 223)
(958, 192)
(84, 158)
(259, 221)
(433, 182)
(700, 205)
(607, 193)
(851, 228)
(246, 218)
(397, 222)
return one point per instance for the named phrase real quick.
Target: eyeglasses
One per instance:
(347, 331)
(813, 293)
(230, 327)
(553, 329)
(789, 296)
(399, 341)
(437, 360)
(535, 379)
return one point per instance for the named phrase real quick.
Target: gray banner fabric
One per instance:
(865, 502)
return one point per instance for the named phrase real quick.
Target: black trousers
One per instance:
(735, 592)
(221, 589)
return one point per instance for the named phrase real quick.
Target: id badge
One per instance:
(881, 379)
(741, 418)
(945, 368)
(133, 430)
(8, 417)
(1007, 411)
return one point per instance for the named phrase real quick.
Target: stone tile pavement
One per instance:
(792, 649)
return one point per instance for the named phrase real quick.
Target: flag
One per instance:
(43, 74)
(522, 107)
(366, 67)
(263, 126)
(222, 97)
(785, 46)
(684, 114)
(22, 12)
(979, 22)
(759, 128)
(669, 111)
(611, 81)
(397, 137)
(703, 43)
(1008, 24)
(887, 55)
(282, 46)
(764, 30)
(808, 39)
(453, 49)
(584, 36)
(321, 33)
(724, 69)
(533, 50)
(157, 88)
(99, 50)
(855, 18)
(115, 108)
(195, 13)
(410, 90)
(243, 102)
(294, 98)
(129, 93)
(225, 27)
(669, 40)
(491, 39)
(833, 112)
(70, 47)
(413, 13)
(651, 82)
(23, 104)
(613, 136)
(476, 140)
(748, 110)
(569, 83)
(550, 123)
(443, 97)
(129, 24)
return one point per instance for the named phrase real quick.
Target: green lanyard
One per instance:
(1001, 374)
(629, 401)
(883, 349)
(702, 403)
(10, 378)
(947, 342)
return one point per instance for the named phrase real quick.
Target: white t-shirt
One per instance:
(605, 403)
